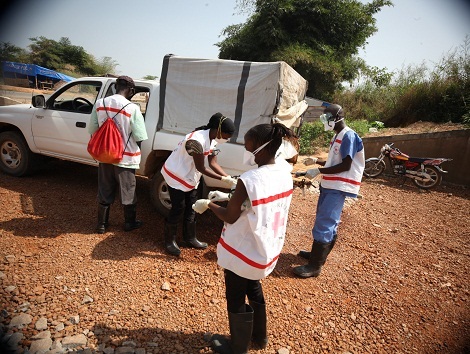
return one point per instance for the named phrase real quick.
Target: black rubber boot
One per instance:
(241, 329)
(306, 254)
(103, 217)
(130, 222)
(189, 236)
(260, 333)
(317, 259)
(170, 239)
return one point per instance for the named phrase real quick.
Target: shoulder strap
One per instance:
(106, 111)
(127, 142)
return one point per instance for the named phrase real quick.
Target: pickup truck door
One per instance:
(61, 129)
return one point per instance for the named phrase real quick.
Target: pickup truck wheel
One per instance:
(160, 195)
(16, 159)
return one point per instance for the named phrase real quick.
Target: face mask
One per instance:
(220, 141)
(249, 157)
(286, 150)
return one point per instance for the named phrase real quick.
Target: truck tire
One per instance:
(160, 195)
(16, 159)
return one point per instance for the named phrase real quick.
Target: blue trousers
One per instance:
(329, 208)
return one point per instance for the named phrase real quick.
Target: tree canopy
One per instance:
(59, 55)
(318, 38)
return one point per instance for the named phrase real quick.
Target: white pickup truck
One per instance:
(188, 93)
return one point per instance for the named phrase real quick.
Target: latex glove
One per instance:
(310, 161)
(312, 173)
(230, 181)
(201, 205)
(217, 196)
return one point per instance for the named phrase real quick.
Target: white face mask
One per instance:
(286, 150)
(249, 157)
(220, 141)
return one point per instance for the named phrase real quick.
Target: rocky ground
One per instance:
(396, 281)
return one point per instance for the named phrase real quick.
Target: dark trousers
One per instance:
(113, 179)
(182, 203)
(237, 288)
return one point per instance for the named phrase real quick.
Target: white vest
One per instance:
(347, 181)
(250, 247)
(179, 169)
(113, 105)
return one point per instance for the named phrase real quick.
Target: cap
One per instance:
(335, 110)
(219, 121)
(128, 80)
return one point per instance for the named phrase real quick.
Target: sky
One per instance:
(138, 34)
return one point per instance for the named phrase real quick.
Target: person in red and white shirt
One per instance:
(253, 235)
(182, 172)
(341, 178)
(119, 179)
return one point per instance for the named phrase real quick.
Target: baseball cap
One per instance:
(127, 79)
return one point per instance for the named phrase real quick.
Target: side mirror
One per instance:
(38, 101)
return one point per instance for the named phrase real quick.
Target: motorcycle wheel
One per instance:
(436, 178)
(374, 167)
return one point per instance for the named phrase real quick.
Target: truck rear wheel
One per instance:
(16, 159)
(160, 194)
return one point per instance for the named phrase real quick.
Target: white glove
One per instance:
(310, 161)
(201, 205)
(217, 196)
(230, 181)
(312, 173)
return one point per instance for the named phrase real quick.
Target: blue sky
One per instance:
(138, 34)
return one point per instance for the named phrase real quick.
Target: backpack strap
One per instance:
(105, 110)
(125, 147)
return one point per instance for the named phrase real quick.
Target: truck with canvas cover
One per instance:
(188, 93)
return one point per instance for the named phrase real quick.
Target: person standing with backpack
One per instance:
(119, 176)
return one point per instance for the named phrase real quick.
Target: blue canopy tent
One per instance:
(36, 76)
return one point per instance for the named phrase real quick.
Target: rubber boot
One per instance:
(170, 239)
(130, 222)
(241, 329)
(306, 254)
(317, 259)
(103, 217)
(260, 333)
(189, 236)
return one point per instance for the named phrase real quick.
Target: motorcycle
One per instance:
(426, 172)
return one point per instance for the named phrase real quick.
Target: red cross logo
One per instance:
(278, 222)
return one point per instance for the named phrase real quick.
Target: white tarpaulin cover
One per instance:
(249, 93)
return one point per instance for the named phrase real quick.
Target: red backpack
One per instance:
(106, 145)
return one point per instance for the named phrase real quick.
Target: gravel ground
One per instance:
(396, 281)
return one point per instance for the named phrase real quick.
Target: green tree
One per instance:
(105, 65)
(10, 52)
(150, 77)
(57, 55)
(318, 38)
(45, 52)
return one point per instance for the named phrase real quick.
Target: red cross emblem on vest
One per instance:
(278, 222)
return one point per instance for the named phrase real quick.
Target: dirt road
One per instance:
(396, 281)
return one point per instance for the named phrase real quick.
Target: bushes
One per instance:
(415, 93)
(313, 137)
